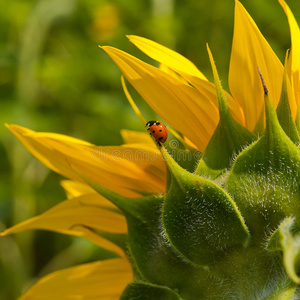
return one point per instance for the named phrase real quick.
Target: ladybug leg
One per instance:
(158, 143)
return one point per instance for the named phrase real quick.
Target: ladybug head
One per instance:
(150, 123)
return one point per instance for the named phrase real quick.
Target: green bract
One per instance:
(234, 240)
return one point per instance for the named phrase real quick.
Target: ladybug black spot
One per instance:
(160, 130)
(160, 138)
(153, 131)
(157, 123)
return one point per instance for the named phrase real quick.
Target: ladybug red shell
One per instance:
(158, 130)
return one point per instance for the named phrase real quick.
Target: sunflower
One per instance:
(221, 226)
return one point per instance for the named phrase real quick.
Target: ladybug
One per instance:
(158, 130)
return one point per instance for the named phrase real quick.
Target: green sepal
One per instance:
(262, 180)
(129, 206)
(187, 157)
(285, 289)
(287, 240)
(158, 263)
(284, 111)
(228, 140)
(147, 291)
(260, 125)
(297, 121)
(200, 219)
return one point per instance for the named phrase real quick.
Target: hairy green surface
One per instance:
(230, 230)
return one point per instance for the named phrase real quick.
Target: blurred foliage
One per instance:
(54, 77)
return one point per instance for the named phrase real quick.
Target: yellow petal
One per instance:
(103, 280)
(77, 211)
(207, 91)
(76, 188)
(122, 169)
(133, 137)
(189, 72)
(289, 88)
(250, 50)
(171, 72)
(294, 57)
(189, 143)
(166, 56)
(97, 239)
(185, 108)
(76, 217)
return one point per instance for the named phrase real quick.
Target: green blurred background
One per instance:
(53, 77)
